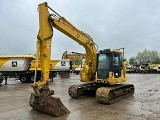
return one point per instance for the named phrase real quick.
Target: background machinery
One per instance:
(129, 68)
(22, 67)
(149, 68)
(102, 72)
(77, 60)
(145, 68)
(16, 66)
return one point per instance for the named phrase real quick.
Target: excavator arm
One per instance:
(42, 98)
(43, 52)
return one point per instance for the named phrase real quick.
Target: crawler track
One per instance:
(107, 94)
(111, 94)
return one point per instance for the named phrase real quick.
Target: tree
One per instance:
(124, 59)
(133, 61)
(157, 61)
(146, 56)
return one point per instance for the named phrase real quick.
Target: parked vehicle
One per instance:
(23, 67)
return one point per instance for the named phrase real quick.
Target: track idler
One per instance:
(47, 103)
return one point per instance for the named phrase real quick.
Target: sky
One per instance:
(130, 24)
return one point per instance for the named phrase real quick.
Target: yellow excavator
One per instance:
(77, 59)
(102, 74)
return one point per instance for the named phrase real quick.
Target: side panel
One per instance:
(3, 61)
(14, 64)
(55, 65)
(61, 65)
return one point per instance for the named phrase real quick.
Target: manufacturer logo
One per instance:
(63, 63)
(14, 64)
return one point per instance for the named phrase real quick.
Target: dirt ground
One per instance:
(143, 105)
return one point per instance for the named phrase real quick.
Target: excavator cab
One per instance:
(111, 72)
(109, 61)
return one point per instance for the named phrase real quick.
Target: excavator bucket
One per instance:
(48, 104)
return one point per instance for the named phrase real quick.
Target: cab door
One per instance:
(116, 64)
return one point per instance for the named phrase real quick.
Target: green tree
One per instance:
(124, 59)
(157, 61)
(146, 56)
(133, 61)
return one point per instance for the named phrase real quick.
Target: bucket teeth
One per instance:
(48, 104)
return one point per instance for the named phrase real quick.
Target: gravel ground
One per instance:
(143, 105)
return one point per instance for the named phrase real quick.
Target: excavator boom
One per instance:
(42, 98)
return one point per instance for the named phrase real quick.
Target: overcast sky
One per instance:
(132, 24)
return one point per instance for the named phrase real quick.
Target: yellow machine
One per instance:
(74, 56)
(145, 68)
(77, 60)
(102, 72)
(129, 68)
(154, 68)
